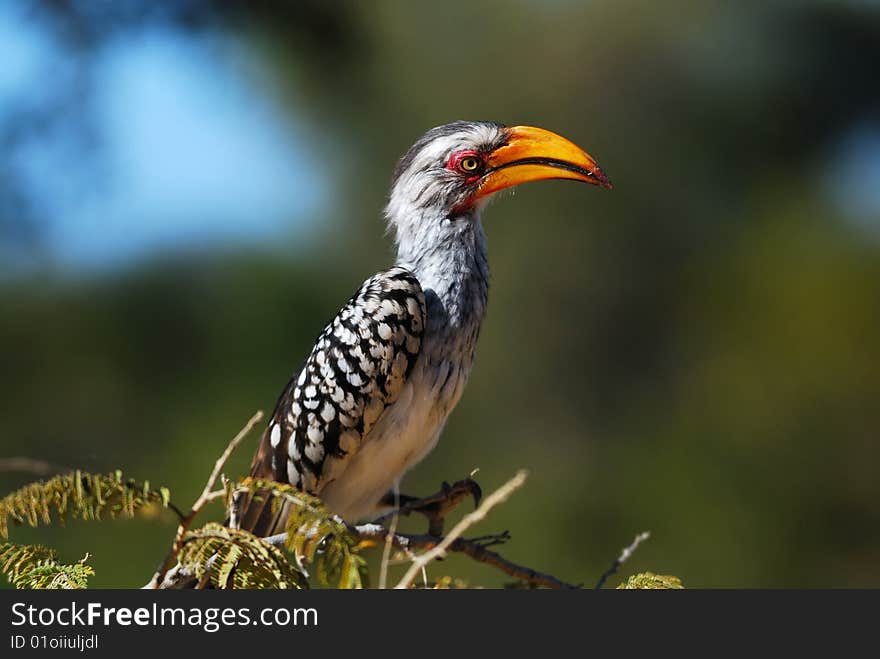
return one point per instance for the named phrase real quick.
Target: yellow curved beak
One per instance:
(535, 154)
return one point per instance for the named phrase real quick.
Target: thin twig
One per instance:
(498, 496)
(216, 494)
(624, 556)
(392, 529)
(208, 494)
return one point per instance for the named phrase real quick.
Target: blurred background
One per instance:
(189, 190)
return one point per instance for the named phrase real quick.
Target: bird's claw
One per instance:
(485, 541)
(438, 505)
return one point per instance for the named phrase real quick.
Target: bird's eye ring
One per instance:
(469, 164)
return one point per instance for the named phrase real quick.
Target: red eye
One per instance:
(466, 162)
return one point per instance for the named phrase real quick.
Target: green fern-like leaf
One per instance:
(78, 495)
(232, 558)
(36, 567)
(651, 581)
(318, 539)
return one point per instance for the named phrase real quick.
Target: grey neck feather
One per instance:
(448, 256)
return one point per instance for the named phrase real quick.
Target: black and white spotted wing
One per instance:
(357, 368)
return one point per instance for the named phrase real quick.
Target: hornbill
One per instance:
(372, 398)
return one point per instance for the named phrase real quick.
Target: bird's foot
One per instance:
(436, 506)
(491, 540)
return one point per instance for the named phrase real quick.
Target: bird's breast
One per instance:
(410, 426)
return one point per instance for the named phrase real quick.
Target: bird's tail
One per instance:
(256, 512)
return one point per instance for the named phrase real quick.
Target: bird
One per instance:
(373, 396)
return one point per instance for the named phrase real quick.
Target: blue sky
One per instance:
(855, 184)
(190, 149)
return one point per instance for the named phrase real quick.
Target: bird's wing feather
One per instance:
(357, 368)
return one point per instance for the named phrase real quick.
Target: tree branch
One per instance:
(208, 494)
(475, 548)
(624, 556)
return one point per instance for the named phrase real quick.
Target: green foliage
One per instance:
(78, 495)
(35, 566)
(320, 543)
(319, 540)
(232, 558)
(449, 583)
(651, 581)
